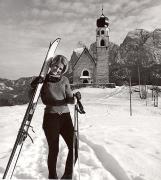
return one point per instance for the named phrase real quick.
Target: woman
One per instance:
(56, 94)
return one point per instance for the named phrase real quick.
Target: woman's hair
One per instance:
(63, 60)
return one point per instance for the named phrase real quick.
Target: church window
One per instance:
(85, 81)
(102, 32)
(98, 33)
(102, 42)
(85, 73)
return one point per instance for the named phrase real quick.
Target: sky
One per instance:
(112, 144)
(28, 26)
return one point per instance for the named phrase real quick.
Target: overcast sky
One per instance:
(27, 27)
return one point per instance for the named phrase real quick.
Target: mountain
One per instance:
(139, 52)
(14, 92)
(141, 46)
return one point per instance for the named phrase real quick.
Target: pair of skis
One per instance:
(25, 125)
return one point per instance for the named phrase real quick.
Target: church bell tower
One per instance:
(102, 50)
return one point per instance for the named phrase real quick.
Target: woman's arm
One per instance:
(69, 94)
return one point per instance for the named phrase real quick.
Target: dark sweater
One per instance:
(56, 94)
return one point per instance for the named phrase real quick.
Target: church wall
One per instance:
(84, 63)
(102, 70)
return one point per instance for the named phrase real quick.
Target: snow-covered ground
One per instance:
(113, 144)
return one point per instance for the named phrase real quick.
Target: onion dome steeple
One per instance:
(103, 21)
(102, 50)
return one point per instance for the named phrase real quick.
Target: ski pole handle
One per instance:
(79, 107)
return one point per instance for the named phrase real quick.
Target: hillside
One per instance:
(14, 92)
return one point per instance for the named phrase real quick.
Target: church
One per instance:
(88, 66)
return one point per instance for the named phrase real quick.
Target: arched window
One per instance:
(85, 81)
(85, 73)
(102, 42)
(102, 32)
(98, 33)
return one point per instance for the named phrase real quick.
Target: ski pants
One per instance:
(54, 125)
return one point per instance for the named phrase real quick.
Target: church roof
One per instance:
(78, 51)
(85, 50)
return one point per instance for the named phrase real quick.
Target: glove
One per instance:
(78, 95)
(36, 81)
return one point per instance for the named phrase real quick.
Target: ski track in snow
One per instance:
(38, 152)
(107, 160)
(96, 158)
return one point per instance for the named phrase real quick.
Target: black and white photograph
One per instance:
(80, 89)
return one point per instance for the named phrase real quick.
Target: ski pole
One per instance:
(78, 108)
(130, 95)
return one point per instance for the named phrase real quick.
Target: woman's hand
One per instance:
(78, 95)
(36, 81)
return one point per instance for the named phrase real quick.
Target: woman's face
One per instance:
(57, 69)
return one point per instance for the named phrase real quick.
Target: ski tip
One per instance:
(57, 40)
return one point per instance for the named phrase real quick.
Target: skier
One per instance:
(56, 94)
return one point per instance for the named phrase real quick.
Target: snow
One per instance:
(78, 51)
(113, 144)
(3, 86)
